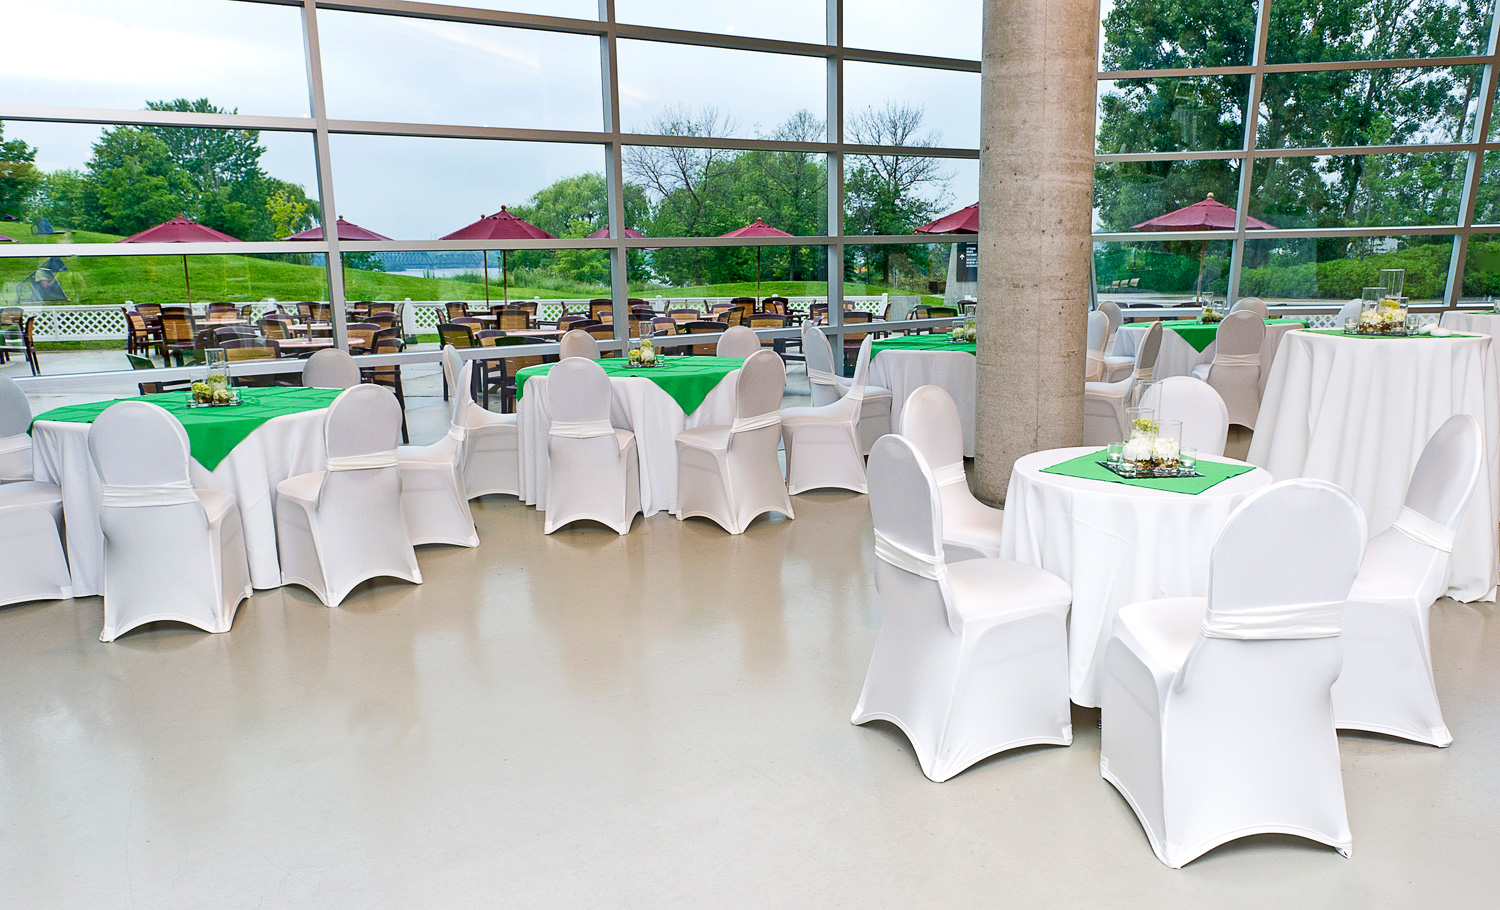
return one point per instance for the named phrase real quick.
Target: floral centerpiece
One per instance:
(1386, 317)
(1153, 449)
(967, 333)
(213, 390)
(1210, 316)
(645, 356)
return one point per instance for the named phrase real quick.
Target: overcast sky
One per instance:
(122, 53)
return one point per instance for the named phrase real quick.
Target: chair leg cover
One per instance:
(821, 455)
(596, 479)
(433, 498)
(1386, 685)
(15, 459)
(32, 564)
(732, 487)
(1239, 386)
(874, 420)
(493, 462)
(329, 548)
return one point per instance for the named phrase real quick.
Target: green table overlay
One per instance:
(212, 432)
(1200, 335)
(687, 379)
(1087, 467)
(937, 341)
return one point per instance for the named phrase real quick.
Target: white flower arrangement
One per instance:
(1138, 449)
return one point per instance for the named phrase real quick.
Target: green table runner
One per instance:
(1341, 334)
(212, 432)
(1087, 467)
(1201, 335)
(934, 342)
(687, 379)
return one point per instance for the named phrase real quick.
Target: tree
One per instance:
(790, 191)
(288, 213)
(893, 194)
(131, 183)
(19, 177)
(60, 198)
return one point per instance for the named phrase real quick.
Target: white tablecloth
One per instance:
(1480, 323)
(1358, 412)
(640, 406)
(903, 372)
(1115, 544)
(279, 448)
(1177, 357)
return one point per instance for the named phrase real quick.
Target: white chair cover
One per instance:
(1386, 685)
(492, 459)
(738, 341)
(1348, 311)
(344, 525)
(827, 386)
(578, 343)
(170, 552)
(732, 474)
(1251, 304)
(1217, 714)
(32, 563)
(1116, 366)
(15, 444)
(1111, 310)
(971, 658)
(434, 497)
(1104, 402)
(1205, 420)
(594, 468)
(330, 369)
(1098, 338)
(1235, 370)
(822, 443)
(930, 421)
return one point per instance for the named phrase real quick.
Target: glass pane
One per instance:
(1129, 194)
(690, 276)
(1172, 115)
(1359, 190)
(1162, 273)
(699, 192)
(1305, 32)
(394, 68)
(1369, 107)
(128, 53)
(946, 28)
(784, 20)
(422, 189)
(895, 194)
(1482, 270)
(908, 274)
(676, 90)
(424, 275)
(568, 9)
(1334, 270)
(1487, 202)
(904, 105)
(1147, 34)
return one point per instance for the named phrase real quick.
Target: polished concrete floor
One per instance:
(659, 720)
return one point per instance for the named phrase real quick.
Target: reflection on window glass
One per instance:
(1129, 194)
(1172, 115)
(896, 194)
(461, 275)
(784, 20)
(945, 28)
(402, 69)
(1311, 32)
(915, 273)
(1150, 34)
(1162, 273)
(126, 53)
(1482, 270)
(1369, 107)
(786, 271)
(423, 189)
(704, 192)
(1487, 202)
(673, 89)
(1359, 190)
(942, 106)
(1334, 270)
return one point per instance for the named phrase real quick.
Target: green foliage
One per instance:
(1293, 274)
(19, 177)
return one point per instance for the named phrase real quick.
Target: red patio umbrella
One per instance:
(500, 226)
(1208, 215)
(758, 229)
(963, 221)
(5, 239)
(603, 234)
(348, 230)
(181, 229)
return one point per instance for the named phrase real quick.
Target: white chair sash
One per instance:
(581, 429)
(1424, 530)
(122, 496)
(1310, 620)
(1236, 360)
(17, 443)
(821, 377)
(950, 474)
(759, 422)
(930, 567)
(362, 462)
(457, 433)
(1145, 374)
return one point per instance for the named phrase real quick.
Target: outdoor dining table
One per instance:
(246, 450)
(1186, 343)
(1116, 541)
(300, 346)
(655, 403)
(905, 363)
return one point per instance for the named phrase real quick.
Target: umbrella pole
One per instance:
(1202, 252)
(186, 283)
(757, 275)
(504, 277)
(485, 261)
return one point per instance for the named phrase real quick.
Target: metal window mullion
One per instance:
(333, 259)
(1247, 163)
(614, 179)
(835, 250)
(1474, 172)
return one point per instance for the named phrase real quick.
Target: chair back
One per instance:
(761, 384)
(381, 306)
(1240, 335)
(138, 444)
(320, 312)
(231, 332)
(1146, 354)
(1444, 479)
(819, 354)
(459, 401)
(177, 325)
(456, 334)
(149, 310)
(907, 510)
(1098, 331)
(1111, 311)
(663, 325)
(930, 421)
(247, 349)
(362, 334)
(1348, 311)
(578, 392)
(601, 332)
(330, 369)
(853, 317)
(1253, 305)
(703, 327)
(364, 420)
(387, 319)
(598, 306)
(510, 318)
(861, 372)
(275, 325)
(738, 341)
(222, 309)
(1204, 416)
(456, 309)
(579, 343)
(15, 410)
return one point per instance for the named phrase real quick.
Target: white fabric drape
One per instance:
(903, 372)
(1177, 357)
(1359, 411)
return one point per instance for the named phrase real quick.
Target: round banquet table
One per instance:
(1187, 343)
(1358, 411)
(1475, 322)
(655, 404)
(1115, 544)
(906, 363)
(246, 450)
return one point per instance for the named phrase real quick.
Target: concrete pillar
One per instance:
(1036, 175)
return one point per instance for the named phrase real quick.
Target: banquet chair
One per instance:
(170, 551)
(455, 309)
(15, 443)
(663, 325)
(738, 341)
(361, 335)
(1348, 311)
(971, 659)
(492, 457)
(389, 376)
(1205, 420)
(1253, 305)
(433, 497)
(1235, 370)
(1386, 685)
(702, 327)
(578, 343)
(32, 563)
(343, 525)
(1098, 337)
(930, 421)
(1104, 402)
(731, 474)
(594, 468)
(822, 443)
(1216, 712)
(828, 387)
(1116, 366)
(330, 369)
